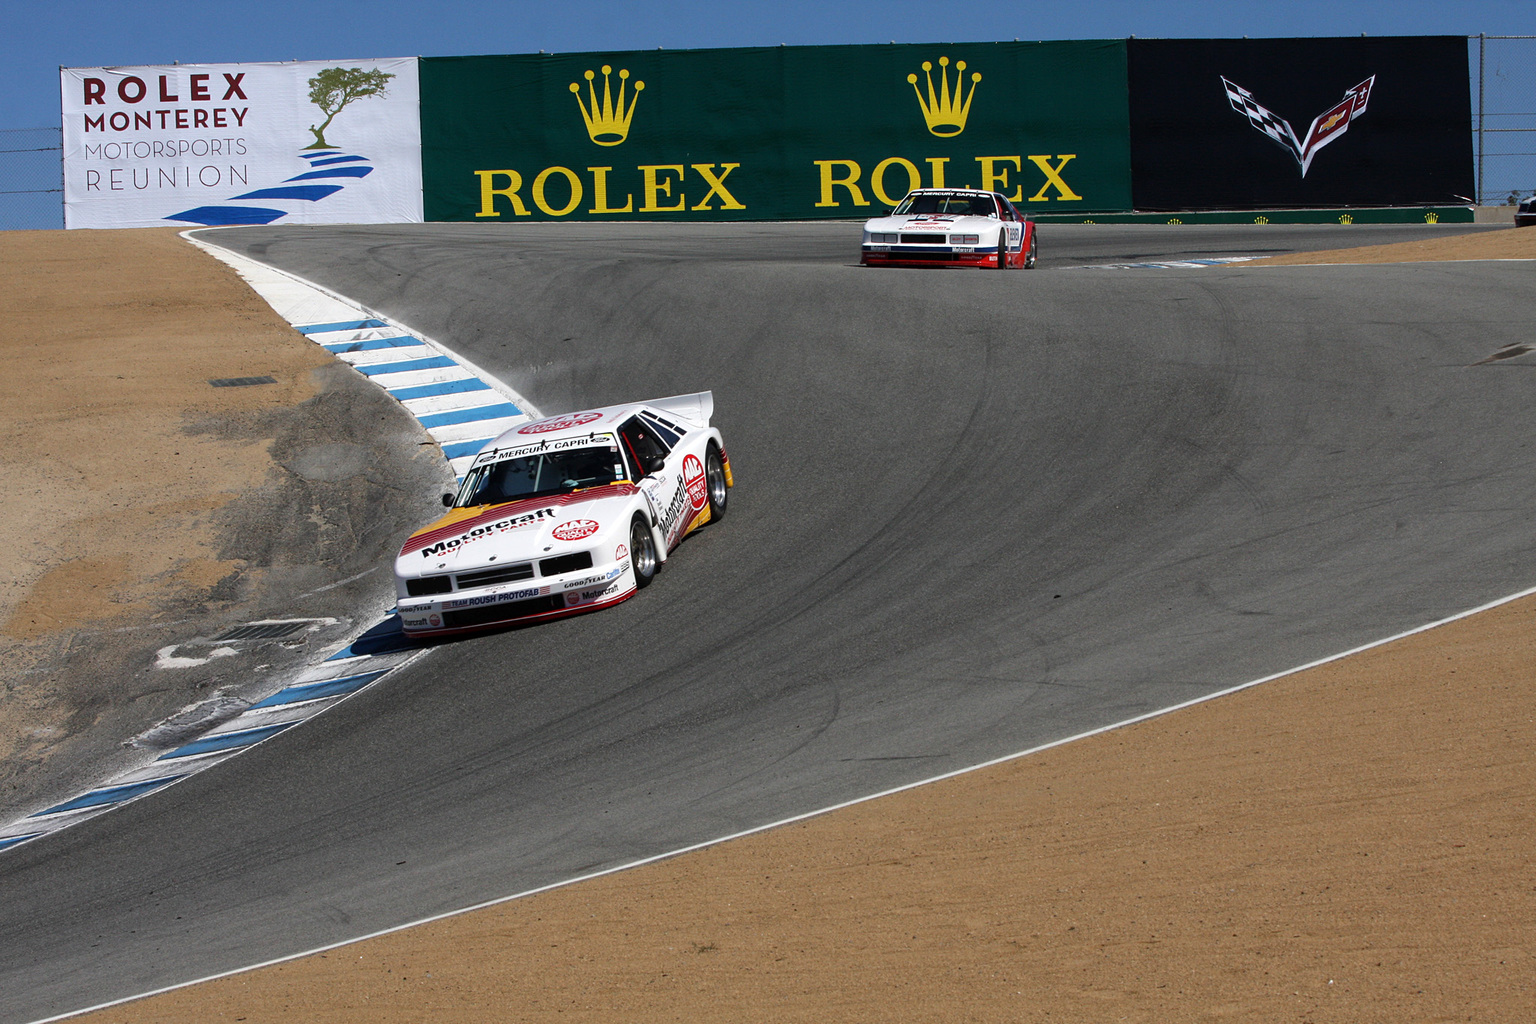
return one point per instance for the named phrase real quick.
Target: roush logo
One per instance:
(620, 553)
(515, 595)
(693, 478)
(1326, 127)
(560, 422)
(574, 530)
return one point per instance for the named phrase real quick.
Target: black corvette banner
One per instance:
(1253, 123)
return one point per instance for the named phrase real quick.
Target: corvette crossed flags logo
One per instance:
(1326, 127)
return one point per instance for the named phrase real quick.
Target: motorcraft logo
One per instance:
(669, 518)
(1326, 127)
(590, 595)
(442, 547)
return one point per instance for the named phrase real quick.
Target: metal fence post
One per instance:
(1482, 52)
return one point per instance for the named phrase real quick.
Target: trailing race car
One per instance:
(565, 515)
(951, 227)
(1525, 213)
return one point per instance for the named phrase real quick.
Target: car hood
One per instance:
(963, 223)
(472, 538)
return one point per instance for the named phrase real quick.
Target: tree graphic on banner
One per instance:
(333, 88)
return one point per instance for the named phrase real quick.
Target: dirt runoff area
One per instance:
(1510, 244)
(1353, 843)
(145, 507)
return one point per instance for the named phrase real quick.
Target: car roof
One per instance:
(951, 192)
(694, 409)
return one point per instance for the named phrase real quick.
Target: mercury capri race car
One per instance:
(951, 227)
(1525, 213)
(565, 515)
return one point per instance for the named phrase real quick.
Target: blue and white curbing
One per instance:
(460, 406)
(1215, 261)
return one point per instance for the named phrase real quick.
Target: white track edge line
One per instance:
(654, 858)
(1394, 263)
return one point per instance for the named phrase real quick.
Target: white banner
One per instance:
(312, 142)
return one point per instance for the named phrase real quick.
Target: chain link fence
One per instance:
(31, 178)
(1504, 117)
(1503, 128)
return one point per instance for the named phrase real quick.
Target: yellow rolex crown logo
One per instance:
(607, 123)
(945, 113)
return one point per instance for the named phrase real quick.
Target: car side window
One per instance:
(640, 445)
(1006, 208)
(668, 431)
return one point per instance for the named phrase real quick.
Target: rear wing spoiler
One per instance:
(696, 408)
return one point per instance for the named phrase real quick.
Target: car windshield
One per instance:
(534, 476)
(950, 205)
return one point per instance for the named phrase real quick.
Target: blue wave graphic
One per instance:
(309, 192)
(327, 163)
(335, 172)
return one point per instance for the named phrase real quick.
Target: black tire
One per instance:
(1002, 249)
(642, 551)
(714, 481)
(1033, 254)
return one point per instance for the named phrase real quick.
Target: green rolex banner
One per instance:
(793, 132)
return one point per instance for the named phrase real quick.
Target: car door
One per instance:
(664, 488)
(1013, 226)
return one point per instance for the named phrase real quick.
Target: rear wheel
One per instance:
(1031, 255)
(714, 478)
(642, 551)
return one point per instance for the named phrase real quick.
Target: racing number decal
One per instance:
(693, 478)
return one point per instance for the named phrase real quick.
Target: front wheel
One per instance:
(642, 551)
(714, 479)
(1002, 250)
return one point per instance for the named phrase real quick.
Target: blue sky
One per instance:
(41, 35)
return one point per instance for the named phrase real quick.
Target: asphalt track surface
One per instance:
(975, 512)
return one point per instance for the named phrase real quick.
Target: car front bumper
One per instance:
(929, 255)
(533, 600)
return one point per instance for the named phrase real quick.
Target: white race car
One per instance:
(951, 227)
(565, 515)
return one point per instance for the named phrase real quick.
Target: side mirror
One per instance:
(447, 499)
(654, 464)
